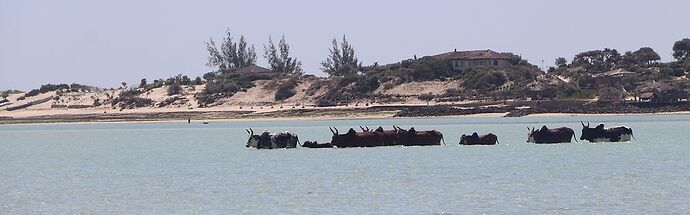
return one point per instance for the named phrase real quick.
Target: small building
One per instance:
(544, 87)
(613, 78)
(659, 92)
(460, 60)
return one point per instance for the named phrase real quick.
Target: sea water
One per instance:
(180, 168)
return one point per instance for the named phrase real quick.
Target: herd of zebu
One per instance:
(412, 137)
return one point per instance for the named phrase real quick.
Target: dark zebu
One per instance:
(545, 135)
(475, 139)
(418, 138)
(316, 144)
(271, 141)
(601, 134)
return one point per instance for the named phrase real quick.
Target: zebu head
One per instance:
(530, 135)
(253, 140)
(341, 139)
(399, 130)
(463, 140)
(589, 133)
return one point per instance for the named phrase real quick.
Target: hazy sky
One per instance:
(103, 43)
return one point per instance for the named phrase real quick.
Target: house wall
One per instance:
(460, 64)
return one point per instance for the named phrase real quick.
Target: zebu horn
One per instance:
(583, 124)
(252, 130)
(331, 130)
(360, 127)
(336, 130)
(248, 131)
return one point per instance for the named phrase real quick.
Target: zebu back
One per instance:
(548, 136)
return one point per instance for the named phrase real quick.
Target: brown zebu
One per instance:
(418, 138)
(545, 135)
(387, 136)
(355, 139)
(475, 139)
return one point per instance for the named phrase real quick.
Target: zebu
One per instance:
(418, 138)
(545, 135)
(271, 141)
(601, 134)
(476, 139)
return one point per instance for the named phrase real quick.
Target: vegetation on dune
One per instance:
(5, 93)
(226, 59)
(229, 60)
(129, 99)
(175, 88)
(57, 87)
(286, 89)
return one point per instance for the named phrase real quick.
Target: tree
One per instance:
(645, 55)
(231, 56)
(681, 49)
(561, 62)
(341, 61)
(598, 61)
(142, 84)
(279, 58)
(185, 80)
(198, 80)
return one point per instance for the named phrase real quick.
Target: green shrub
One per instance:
(364, 85)
(286, 89)
(483, 79)
(174, 88)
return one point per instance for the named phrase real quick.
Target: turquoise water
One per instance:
(180, 168)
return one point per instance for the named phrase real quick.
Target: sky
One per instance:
(104, 43)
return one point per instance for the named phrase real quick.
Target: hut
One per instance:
(542, 88)
(659, 92)
(613, 78)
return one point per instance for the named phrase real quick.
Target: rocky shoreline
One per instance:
(520, 109)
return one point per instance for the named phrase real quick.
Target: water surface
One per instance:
(180, 168)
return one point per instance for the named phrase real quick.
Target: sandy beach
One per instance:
(237, 113)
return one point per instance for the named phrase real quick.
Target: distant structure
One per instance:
(467, 59)
(254, 69)
(613, 78)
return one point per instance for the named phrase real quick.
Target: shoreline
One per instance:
(197, 116)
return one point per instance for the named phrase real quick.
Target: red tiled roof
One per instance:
(472, 55)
